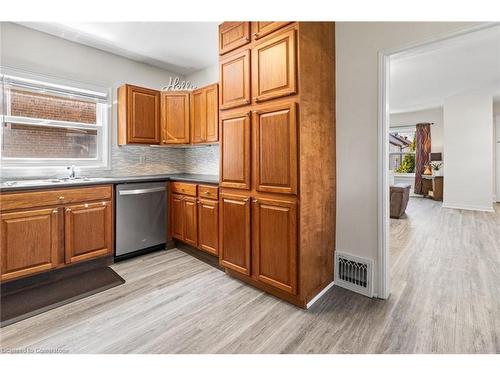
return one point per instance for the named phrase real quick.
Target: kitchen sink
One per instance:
(51, 181)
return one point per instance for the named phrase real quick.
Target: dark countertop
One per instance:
(49, 183)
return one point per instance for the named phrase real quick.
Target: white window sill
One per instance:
(404, 175)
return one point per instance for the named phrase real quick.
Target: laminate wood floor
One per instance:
(445, 298)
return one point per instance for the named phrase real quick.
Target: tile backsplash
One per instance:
(204, 160)
(144, 160)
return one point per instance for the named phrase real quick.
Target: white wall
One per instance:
(468, 140)
(205, 76)
(37, 52)
(357, 46)
(434, 115)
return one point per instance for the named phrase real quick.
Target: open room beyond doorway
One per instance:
(438, 101)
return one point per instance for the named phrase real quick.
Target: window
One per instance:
(402, 150)
(47, 124)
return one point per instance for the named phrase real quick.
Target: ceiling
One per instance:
(423, 77)
(180, 47)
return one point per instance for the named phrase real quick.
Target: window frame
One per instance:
(402, 129)
(66, 89)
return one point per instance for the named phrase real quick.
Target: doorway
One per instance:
(384, 131)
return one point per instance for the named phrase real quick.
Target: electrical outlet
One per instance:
(142, 159)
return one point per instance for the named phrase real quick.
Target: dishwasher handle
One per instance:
(141, 191)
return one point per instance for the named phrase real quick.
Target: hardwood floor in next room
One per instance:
(445, 299)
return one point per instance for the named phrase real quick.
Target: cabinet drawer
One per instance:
(11, 201)
(208, 191)
(183, 188)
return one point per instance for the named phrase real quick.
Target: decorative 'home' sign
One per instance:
(176, 84)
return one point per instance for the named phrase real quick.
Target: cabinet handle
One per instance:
(61, 198)
(86, 205)
(255, 201)
(255, 34)
(55, 211)
(207, 192)
(246, 101)
(246, 199)
(68, 210)
(103, 203)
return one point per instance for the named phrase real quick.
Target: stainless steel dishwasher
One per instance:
(141, 218)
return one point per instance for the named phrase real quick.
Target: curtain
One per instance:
(422, 152)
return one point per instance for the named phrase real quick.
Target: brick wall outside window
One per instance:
(24, 141)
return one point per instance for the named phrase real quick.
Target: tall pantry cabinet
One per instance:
(277, 162)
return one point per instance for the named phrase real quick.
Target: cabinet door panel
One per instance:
(235, 151)
(175, 117)
(190, 221)
(144, 115)
(275, 243)
(198, 116)
(263, 28)
(29, 242)
(233, 35)
(235, 80)
(274, 67)
(88, 231)
(212, 112)
(234, 214)
(275, 148)
(177, 216)
(208, 225)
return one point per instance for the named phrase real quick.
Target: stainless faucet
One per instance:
(72, 172)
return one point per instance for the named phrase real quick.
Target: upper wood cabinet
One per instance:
(138, 115)
(205, 114)
(275, 148)
(274, 67)
(235, 80)
(208, 226)
(233, 35)
(175, 117)
(274, 245)
(88, 231)
(235, 151)
(263, 28)
(234, 235)
(29, 242)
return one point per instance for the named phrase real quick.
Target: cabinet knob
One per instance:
(61, 198)
(246, 101)
(55, 211)
(86, 205)
(103, 203)
(68, 210)
(255, 201)
(207, 192)
(255, 34)
(246, 199)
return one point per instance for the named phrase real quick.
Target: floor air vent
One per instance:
(354, 273)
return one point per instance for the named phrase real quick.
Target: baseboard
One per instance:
(319, 295)
(468, 208)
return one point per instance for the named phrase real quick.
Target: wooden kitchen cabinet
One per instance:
(263, 28)
(138, 115)
(274, 67)
(29, 242)
(235, 80)
(46, 229)
(274, 230)
(289, 173)
(175, 117)
(177, 216)
(235, 232)
(88, 231)
(190, 221)
(235, 151)
(233, 35)
(275, 148)
(205, 114)
(208, 226)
